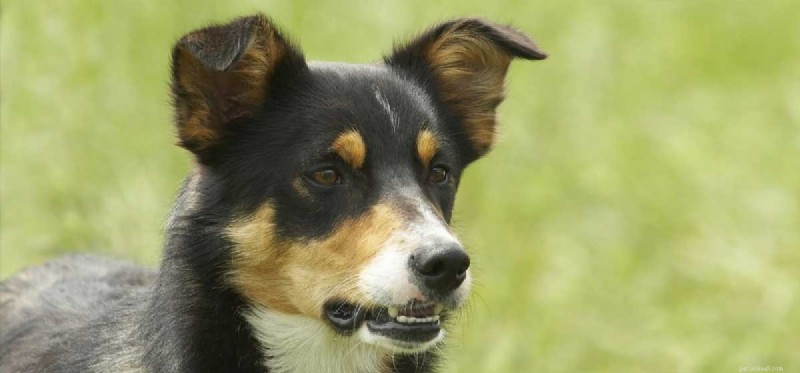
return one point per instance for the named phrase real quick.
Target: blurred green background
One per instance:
(640, 213)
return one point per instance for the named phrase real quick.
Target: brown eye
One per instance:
(438, 175)
(326, 177)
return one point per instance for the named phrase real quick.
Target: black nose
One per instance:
(441, 269)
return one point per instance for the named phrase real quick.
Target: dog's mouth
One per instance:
(410, 324)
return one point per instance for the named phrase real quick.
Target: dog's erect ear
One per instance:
(222, 73)
(467, 60)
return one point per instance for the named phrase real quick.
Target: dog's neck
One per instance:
(192, 312)
(190, 316)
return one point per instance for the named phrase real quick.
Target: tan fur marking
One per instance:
(297, 277)
(256, 263)
(351, 147)
(427, 146)
(470, 70)
(213, 98)
(300, 187)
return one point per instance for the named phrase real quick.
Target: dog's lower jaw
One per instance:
(393, 346)
(295, 343)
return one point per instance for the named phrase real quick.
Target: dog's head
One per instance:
(336, 182)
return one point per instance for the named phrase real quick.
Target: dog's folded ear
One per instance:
(223, 73)
(465, 61)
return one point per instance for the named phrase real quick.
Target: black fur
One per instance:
(85, 314)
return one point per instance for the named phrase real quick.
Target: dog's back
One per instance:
(48, 312)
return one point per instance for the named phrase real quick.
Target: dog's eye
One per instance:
(326, 177)
(438, 175)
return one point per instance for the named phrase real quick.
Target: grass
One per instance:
(641, 212)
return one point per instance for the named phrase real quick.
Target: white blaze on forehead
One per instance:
(410, 89)
(386, 107)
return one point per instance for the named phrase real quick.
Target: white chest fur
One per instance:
(299, 344)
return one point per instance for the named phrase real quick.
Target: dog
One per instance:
(312, 234)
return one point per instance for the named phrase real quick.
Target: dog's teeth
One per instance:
(393, 312)
(416, 320)
(437, 309)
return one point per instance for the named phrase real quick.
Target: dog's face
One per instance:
(336, 182)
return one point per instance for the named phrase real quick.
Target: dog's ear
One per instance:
(466, 62)
(222, 73)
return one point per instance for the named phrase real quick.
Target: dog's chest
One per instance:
(295, 344)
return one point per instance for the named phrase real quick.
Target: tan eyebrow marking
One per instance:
(351, 147)
(427, 146)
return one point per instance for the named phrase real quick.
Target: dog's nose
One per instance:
(442, 269)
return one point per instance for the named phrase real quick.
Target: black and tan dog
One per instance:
(313, 233)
